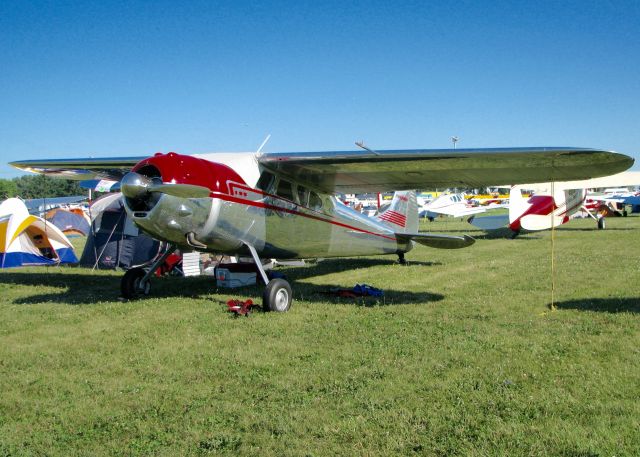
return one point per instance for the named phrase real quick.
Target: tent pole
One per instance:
(105, 244)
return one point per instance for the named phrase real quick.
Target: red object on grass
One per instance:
(239, 307)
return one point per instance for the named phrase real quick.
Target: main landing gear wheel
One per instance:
(132, 285)
(277, 296)
(601, 224)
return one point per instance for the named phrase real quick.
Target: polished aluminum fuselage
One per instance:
(276, 227)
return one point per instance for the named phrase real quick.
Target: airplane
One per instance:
(612, 201)
(282, 205)
(39, 206)
(552, 204)
(454, 205)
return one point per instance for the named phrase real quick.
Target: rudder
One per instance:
(402, 214)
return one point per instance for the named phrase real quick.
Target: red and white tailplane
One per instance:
(402, 214)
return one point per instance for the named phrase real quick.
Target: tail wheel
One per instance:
(277, 296)
(132, 286)
(601, 224)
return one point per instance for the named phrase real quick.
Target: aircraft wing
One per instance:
(380, 171)
(81, 169)
(40, 204)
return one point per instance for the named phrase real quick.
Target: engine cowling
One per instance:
(167, 195)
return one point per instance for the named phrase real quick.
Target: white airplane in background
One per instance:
(454, 205)
(282, 205)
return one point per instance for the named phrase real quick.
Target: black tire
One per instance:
(277, 296)
(514, 234)
(130, 284)
(601, 224)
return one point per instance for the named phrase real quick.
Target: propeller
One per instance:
(137, 187)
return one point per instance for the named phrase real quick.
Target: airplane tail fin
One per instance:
(402, 214)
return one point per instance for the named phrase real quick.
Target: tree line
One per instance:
(39, 186)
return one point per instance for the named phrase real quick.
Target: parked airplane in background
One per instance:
(282, 205)
(552, 205)
(454, 205)
(39, 206)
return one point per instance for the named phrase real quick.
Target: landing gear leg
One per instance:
(277, 294)
(135, 281)
(514, 234)
(401, 259)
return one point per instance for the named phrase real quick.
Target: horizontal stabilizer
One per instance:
(437, 241)
(490, 222)
(535, 222)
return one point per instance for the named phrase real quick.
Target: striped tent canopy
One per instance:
(30, 240)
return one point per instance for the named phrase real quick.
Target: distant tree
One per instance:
(8, 188)
(41, 186)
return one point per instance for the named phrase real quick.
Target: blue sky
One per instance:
(115, 78)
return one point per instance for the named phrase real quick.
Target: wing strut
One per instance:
(258, 262)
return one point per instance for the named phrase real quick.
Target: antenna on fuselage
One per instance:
(361, 144)
(263, 143)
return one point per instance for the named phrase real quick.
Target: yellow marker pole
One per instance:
(553, 233)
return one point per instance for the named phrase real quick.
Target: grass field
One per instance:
(463, 356)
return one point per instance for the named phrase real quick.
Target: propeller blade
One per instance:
(180, 190)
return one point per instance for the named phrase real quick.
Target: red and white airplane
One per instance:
(553, 204)
(282, 205)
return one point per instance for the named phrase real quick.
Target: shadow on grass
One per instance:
(85, 289)
(323, 293)
(88, 288)
(595, 229)
(605, 305)
(497, 234)
(341, 265)
(500, 235)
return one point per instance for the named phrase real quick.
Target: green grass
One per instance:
(463, 356)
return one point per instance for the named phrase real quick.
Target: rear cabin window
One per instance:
(315, 202)
(285, 190)
(265, 183)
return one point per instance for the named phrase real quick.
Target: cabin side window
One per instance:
(303, 196)
(265, 182)
(285, 190)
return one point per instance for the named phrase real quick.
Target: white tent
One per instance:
(30, 240)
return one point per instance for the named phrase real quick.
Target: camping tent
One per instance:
(72, 221)
(29, 240)
(114, 241)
